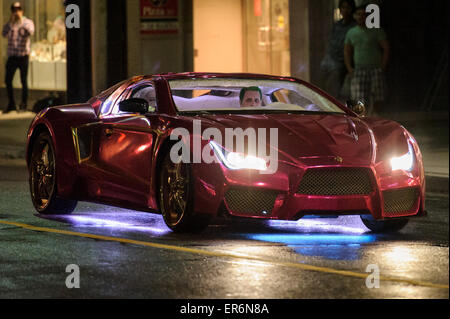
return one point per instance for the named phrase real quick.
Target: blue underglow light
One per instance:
(328, 246)
(333, 239)
(314, 239)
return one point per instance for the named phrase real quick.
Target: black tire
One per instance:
(42, 179)
(384, 226)
(176, 198)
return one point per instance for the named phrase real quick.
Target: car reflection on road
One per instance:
(335, 239)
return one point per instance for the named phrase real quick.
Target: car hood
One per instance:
(307, 139)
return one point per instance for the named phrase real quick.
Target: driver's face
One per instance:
(251, 98)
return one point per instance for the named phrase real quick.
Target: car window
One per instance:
(146, 92)
(225, 95)
(142, 91)
(113, 100)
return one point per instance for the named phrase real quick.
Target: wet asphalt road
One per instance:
(231, 259)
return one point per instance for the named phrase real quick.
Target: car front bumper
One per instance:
(281, 196)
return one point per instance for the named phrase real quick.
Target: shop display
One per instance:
(48, 58)
(47, 69)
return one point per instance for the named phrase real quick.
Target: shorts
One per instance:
(368, 85)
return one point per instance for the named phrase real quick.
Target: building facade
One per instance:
(256, 36)
(122, 38)
(281, 37)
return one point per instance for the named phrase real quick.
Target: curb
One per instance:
(12, 152)
(436, 184)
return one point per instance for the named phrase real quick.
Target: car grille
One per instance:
(336, 182)
(250, 201)
(400, 201)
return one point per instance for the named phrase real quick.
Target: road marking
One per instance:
(196, 251)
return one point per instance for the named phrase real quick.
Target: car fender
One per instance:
(58, 122)
(392, 140)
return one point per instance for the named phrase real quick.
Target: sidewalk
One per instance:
(430, 130)
(13, 134)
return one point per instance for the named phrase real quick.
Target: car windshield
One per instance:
(248, 96)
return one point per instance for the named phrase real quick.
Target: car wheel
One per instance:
(176, 198)
(42, 179)
(384, 226)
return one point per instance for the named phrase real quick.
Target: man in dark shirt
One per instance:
(333, 65)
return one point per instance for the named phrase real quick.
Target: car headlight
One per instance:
(237, 161)
(405, 162)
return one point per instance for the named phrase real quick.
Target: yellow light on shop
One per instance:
(280, 23)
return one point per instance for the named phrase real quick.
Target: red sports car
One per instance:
(194, 145)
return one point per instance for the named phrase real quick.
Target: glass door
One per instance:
(266, 31)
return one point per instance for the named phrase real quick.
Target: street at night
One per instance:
(224, 158)
(136, 256)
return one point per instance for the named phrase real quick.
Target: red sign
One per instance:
(159, 9)
(159, 17)
(257, 8)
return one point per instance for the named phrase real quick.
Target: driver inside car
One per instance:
(251, 97)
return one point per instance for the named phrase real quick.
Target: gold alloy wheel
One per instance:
(42, 170)
(174, 191)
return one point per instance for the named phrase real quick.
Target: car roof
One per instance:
(205, 75)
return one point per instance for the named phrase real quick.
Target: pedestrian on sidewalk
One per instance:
(18, 31)
(366, 58)
(332, 66)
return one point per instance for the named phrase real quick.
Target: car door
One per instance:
(122, 153)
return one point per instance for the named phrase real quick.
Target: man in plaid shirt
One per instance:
(18, 31)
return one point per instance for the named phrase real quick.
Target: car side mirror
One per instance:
(357, 106)
(134, 105)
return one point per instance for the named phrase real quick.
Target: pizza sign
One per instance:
(159, 9)
(159, 17)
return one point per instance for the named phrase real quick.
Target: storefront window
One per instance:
(242, 36)
(47, 70)
(267, 36)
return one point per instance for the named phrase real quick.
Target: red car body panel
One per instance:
(120, 166)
